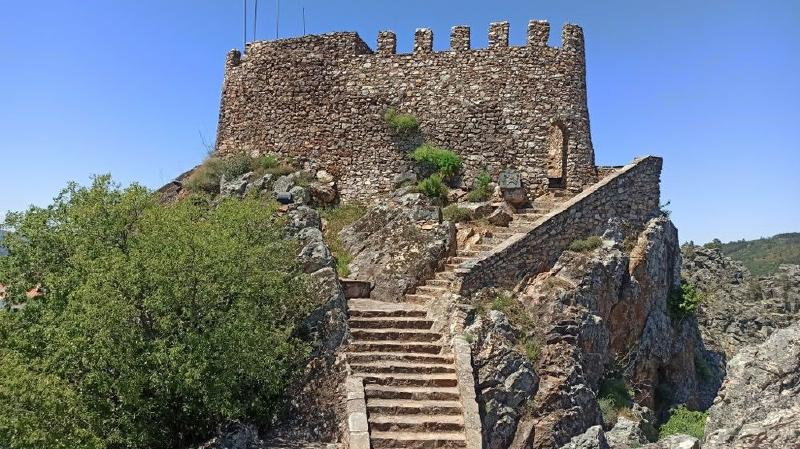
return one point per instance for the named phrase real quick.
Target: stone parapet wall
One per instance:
(320, 100)
(630, 193)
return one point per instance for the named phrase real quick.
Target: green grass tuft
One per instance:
(336, 219)
(445, 162)
(455, 214)
(401, 124)
(585, 245)
(684, 421)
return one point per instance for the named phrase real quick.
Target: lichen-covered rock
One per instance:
(740, 309)
(675, 442)
(235, 186)
(593, 438)
(393, 251)
(626, 434)
(301, 217)
(283, 184)
(314, 256)
(501, 216)
(505, 378)
(759, 403)
(323, 194)
(300, 195)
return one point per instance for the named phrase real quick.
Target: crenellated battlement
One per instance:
(423, 40)
(322, 98)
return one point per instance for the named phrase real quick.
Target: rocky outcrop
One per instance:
(759, 404)
(313, 409)
(505, 378)
(740, 309)
(608, 308)
(397, 244)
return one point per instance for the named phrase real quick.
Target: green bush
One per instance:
(401, 124)
(336, 219)
(684, 421)
(157, 324)
(480, 190)
(433, 187)
(684, 300)
(587, 244)
(445, 162)
(236, 165)
(455, 214)
(615, 397)
(609, 410)
(265, 162)
(206, 177)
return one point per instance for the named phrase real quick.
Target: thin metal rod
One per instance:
(304, 21)
(255, 21)
(244, 45)
(277, 16)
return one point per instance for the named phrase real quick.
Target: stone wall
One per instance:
(631, 193)
(321, 101)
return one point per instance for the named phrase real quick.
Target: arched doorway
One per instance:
(557, 156)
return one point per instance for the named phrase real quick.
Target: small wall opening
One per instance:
(557, 156)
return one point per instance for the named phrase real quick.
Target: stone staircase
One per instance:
(409, 376)
(408, 370)
(488, 237)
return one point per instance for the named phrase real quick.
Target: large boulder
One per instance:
(393, 250)
(759, 403)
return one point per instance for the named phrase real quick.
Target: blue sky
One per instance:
(129, 87)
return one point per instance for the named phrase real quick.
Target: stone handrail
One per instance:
(630, 193)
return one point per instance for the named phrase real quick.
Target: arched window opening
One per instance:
(557, 156)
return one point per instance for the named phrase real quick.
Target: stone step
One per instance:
(416, 423)
(437, 282)
(367, 308)
(431, 290)
(395, 367)
(468, 253)
(459, 259)
(418, 298)
(412, 393)
(439, 380)
(403, 407)
(390, 323)
(398, 356)
(395, 334)
(394, 346)
(417, 440)
(445, 275)
(483, 247)
(358, 313)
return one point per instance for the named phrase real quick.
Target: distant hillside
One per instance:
(763, 256)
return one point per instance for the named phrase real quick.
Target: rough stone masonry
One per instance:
(320, 100)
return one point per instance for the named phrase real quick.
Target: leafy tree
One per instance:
(156, 323)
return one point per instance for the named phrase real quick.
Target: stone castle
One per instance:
(321, 101)
(410, 378)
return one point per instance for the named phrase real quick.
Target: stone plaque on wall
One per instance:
(509, 179)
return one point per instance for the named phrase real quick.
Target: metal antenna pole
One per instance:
(277, 16)
(304, 21)
(255, 21)
(244, 45)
